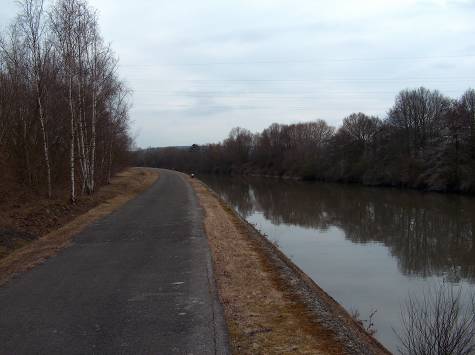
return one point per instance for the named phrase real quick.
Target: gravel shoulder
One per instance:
(270, 305)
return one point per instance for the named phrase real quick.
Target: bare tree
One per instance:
(115, 124)
(16, 111)
(58, 86)
(361, 128)
(62, 19)
(239, 145)
(5, 112)
(441, 321)
(32, 25)
(93, 89)
(467, 102)
(418, 114)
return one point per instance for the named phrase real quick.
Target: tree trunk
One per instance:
(93, 126)
(71, 157)
(45, 140)
(109, 166)
(26, 150)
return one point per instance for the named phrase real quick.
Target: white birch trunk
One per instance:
(93, 118)
(45, 139)
(71, 156)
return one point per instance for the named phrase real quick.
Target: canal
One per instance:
(369, 248)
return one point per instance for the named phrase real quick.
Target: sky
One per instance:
(199, 68)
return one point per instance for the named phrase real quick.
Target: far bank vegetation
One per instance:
(425, 141)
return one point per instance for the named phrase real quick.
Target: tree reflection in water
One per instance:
(430, 234)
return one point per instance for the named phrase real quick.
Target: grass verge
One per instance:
(271, 306)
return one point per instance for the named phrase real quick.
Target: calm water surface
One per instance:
(367, 247)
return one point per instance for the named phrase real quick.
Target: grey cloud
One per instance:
(247, 47)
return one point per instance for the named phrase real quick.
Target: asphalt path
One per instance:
(138, 281)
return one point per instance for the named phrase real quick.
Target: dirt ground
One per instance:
(35, 229)
(264, 312)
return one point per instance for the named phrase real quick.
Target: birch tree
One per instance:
(63, 19)
(32, 26)
(62, 105)
(88, 68)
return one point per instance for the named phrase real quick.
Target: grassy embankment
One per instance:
(32, 230)
(270, 305)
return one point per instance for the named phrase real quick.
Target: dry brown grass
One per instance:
(124, 186)
(263, 316)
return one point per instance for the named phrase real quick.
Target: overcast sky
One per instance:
(199, 68)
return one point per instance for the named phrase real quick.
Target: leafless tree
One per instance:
(440, 321)
(418, 114)
(467, 102)
(93, 89)
(63, 23)
(31, 23)
(361, 128)
(239, 145)
(5, 111)
(61, 101)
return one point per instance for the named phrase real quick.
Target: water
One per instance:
(367, 247)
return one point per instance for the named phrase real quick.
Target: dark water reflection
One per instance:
(391, 241)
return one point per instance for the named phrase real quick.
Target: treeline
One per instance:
(426, 141)
(63, 110)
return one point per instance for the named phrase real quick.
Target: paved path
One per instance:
(136, 282)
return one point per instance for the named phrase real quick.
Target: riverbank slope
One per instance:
(270, 305)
